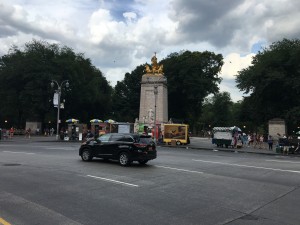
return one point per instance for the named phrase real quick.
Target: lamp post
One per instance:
(58, 92)
(155, 100)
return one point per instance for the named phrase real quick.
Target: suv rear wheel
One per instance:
(86, 155)
(124, 159)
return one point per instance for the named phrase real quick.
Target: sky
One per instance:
(119, 35)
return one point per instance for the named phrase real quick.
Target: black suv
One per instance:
(125, 148)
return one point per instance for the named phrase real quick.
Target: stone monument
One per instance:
(154, 95)
(277, 128)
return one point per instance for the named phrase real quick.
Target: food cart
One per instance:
(176, 134)
(225, 136)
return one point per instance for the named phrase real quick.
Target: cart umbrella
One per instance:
(72, 121)
(109, 121)
(96, 121)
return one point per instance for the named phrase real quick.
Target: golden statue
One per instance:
(156, 68)
(148, 69)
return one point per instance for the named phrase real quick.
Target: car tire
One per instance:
(178, 143)
(124, 159)
(86, 155)
(143, 162)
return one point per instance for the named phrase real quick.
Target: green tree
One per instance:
(217, 110)
(191, 77)
(25, 77)
(273, 82)
(221, 109)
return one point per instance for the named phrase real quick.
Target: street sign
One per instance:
(55, 99)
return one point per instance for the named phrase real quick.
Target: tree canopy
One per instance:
(273, 82)
(192, 76)
(25, 77)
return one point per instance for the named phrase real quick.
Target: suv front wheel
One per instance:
(124, 159)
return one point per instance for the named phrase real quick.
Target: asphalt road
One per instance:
(43, 183)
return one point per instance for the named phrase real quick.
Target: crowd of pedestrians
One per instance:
(10, 133)
(268, 142)
(256, 141)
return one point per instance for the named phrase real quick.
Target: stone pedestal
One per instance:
(277, 126)
(154, 98)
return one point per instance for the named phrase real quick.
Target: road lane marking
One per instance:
(240, 165)
(172, 168)
(283, 161)
(59, 148)
(3, 222)
(114, 181)
(27, 153)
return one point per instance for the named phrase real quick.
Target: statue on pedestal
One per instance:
(155, 68)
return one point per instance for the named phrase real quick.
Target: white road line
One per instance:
(27, 153)
(114, 181)
(58, 148)
(283, 161)
(172, 168)
(239, 165)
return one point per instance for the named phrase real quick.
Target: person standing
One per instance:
(250, 140)
(28, 133)
(11, 132)
(270, 142)
(52, 131)
(261, 141)
(255, 139)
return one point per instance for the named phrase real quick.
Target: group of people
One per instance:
(256, 141)
(8, 133)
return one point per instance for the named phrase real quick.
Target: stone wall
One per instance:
(277, 126)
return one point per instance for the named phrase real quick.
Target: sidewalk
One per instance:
(205, 144)
(33, 138)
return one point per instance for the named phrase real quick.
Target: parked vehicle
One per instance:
(292, 143)
(177, 133)
(125, 148)
(225, 136)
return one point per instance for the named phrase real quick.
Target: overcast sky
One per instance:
(118, 35)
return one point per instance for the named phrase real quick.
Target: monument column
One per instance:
(154, 95)
(154, 99)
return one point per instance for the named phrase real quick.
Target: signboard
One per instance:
(223, 135)
(124, 128)
(55, 99)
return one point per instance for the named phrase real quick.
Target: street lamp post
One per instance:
(155, 100)
(58, 91)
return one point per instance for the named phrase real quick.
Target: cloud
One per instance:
(120, 35)
(234, 63)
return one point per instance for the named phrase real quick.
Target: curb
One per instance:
(229, 150)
